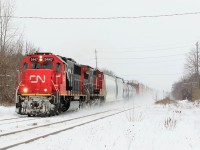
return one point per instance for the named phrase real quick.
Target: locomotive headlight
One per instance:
(25, 90)
(40, 58)
(45, 90)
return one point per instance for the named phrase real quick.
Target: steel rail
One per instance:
(19, 121)
(65, 129)
(58, 122)
(12, 118)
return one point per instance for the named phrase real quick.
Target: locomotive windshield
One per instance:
(25, 66)
(42, 66)
(36, 66)
(47, 66)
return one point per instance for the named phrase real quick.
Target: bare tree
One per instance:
(11, 47)
(6, 11)
(186, 88)
(12, 51)
(192, 65)
(30, 48)
(181, 89)
(7, 33)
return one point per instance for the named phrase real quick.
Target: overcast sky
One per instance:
(150, 50)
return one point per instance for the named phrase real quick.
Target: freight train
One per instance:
(48, 84)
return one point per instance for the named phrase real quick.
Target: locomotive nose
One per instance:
(39, 81)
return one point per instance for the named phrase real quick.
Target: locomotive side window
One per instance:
(25, 66)
(58, 68)
(86, 76)
(36, 66)
(48, 66)
(77, 69)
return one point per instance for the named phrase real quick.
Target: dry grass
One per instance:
(170, 123)
(196, 103)
(166, 101)
(133, 116)
(7, 104)
(196, 94)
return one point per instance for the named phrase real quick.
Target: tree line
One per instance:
(188, 87)
(12, 50)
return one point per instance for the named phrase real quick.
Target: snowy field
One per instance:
(147, 127)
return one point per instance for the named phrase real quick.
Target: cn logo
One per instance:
(36, 78)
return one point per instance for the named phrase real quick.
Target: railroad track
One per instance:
(12, 118)
(19, 121)
(76, 122)
(58, 122)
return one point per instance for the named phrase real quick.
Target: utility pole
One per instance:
(197, 48)
(163, 94)
(96, 57)
(96, 66)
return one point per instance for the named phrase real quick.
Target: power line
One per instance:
(135, 58)
(146, 50)
(124, 63)
(146, 57)
(109, 50)
(103, 18)
(149, 74)
(172, 45)
(169, 61)
(153, 67)
(146, 65)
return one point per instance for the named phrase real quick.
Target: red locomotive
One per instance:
(49, 83)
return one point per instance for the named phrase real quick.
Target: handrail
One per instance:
(57, 91)
(16, 97)
(87, 89)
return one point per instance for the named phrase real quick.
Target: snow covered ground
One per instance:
(147, 127)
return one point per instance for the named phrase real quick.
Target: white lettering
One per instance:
(36, 78)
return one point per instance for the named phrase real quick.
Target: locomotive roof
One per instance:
(42, 53)
(87, 66)
(65, 59)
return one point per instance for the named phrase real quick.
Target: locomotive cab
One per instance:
(99, 89)
(40, 85)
